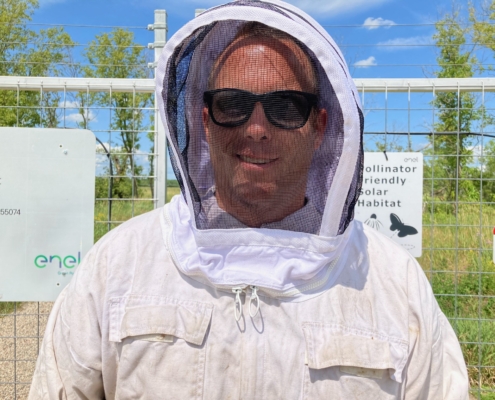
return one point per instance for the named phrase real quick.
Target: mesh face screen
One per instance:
(257, 127)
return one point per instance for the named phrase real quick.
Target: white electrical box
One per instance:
(47, 187)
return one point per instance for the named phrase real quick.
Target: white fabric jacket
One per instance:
(131, 326)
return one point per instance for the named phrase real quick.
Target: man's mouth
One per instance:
(253, 160)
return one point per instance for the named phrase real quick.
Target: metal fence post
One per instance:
(160, 28)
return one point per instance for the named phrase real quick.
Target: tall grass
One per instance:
(7, 307)
(457, 257)
(124, 209)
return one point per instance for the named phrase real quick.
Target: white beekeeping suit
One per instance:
(255, 282)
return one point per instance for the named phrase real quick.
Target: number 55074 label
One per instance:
(10, 211)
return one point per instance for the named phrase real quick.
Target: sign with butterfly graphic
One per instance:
(391, 198)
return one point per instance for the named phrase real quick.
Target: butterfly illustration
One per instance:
(398, 225)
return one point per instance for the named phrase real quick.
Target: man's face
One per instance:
(258, 161)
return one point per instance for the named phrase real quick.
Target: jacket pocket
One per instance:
(352, 363)
(162, 345)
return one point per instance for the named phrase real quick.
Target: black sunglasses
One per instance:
(286, 109)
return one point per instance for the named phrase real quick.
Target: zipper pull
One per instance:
(254, 298)
(237, 303)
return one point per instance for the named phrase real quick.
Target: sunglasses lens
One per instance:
(230, 108)
(287, 110)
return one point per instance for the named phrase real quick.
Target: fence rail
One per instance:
(375, 85)
(401, 115)
(77, 84)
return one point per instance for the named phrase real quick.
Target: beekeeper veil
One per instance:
(264, 130)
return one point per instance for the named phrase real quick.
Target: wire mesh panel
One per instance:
(450, 121)
(21, 332)
(129, 173)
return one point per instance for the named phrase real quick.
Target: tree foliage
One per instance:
(25, 52)
(116, 55)
(482, 20)
(451, 143)
(488, 171)
(48, 52)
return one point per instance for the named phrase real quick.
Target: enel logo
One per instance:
(42, 261)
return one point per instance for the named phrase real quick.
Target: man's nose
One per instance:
(258, 128)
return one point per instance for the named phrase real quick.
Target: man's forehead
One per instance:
(282, 53)
(285, 47)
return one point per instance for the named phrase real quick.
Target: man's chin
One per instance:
(255, 194)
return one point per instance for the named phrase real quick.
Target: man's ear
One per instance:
(320, 126)
(206, 119)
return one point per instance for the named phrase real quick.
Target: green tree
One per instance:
(482, 20)
(488, 165)
(456, 113)
(151, 156)
(14, 34)
(24, 52)
(116, 55)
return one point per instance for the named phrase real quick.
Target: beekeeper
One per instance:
(255, 282)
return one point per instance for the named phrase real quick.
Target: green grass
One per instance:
(124, 209)
(458, 261)
(476, 353)
(7, 307)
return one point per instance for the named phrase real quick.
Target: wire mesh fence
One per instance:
(130, 180)
(451, 121)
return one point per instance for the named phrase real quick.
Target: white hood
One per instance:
(277, 257)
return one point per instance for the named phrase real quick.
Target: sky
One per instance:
(371, 33)
(379, 39)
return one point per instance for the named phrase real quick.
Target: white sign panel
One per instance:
(392, 196)
(47, 181)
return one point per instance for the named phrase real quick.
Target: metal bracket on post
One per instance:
(160, 159)
(160, 27)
